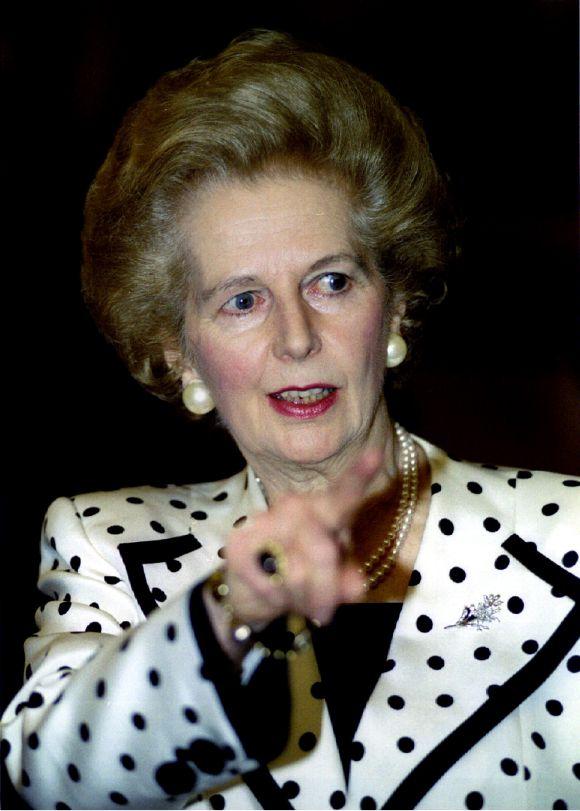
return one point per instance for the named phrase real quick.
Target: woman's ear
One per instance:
(194, 393)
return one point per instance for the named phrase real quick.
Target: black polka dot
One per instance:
(94, 627)
(208, 756)
(368, 802)
(25, 779)
(5, 748)
(559, 804)
(54, 566)
(290, 789)
(571, 482)
(570, 559)
(62, 806)
(482, 653)
(435, 488)
(155, 525)
(199, 515)
(63, 608)
(307, 741)
(509, 766)
(457, 574)
(127, 762)
(75, 563)
(573, 664)
(73, 773)
(154, 677)
(527, 773)
(171, 632)
(134, 500)
(512, 483)
(35, 700)
(94, 605)
(491, 524)
(474, 800)
(357, 750)
(220, 497)
(576, 770)
(317, 690)
(190, 714)
(337, 799)
(515, 605)
(222, 552)
(115, 529)
(415, 578)
(406, 744)
(138, 720)
(91, 511)
(240, 521)
(550, 509)
(424, 623)
(436, 662)
(524, 474)
(111, 579)
(53, 543)
(502, 562)
(446, 526)
(173, 565)
(125, 624)
(84, 732)
(444, 700)
(493, 690)
(396, 702)
(389, 665)
(556, 592)
(217, 801)
(179, 505)
(158, 595)
(118, 798)
(530, 646)
(554, 707)
(538, 740)
(33, 740)
(176, 778)
(475, 488)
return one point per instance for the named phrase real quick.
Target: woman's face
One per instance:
(286, 324)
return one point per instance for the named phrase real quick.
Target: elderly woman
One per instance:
(355, 619)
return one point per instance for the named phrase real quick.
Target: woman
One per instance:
(261, 238)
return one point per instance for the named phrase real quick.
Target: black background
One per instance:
(495, 86)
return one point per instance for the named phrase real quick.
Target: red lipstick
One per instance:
(300, 410)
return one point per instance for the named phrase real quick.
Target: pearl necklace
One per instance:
(380, 563)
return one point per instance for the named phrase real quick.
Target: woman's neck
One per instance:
(282, 476)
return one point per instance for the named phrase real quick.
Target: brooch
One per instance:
(481, 615)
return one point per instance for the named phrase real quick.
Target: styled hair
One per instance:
(265, 103)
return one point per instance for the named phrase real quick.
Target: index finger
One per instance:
(343, 497)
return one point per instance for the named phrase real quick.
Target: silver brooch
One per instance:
(481, 615)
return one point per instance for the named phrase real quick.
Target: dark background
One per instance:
(497, 381)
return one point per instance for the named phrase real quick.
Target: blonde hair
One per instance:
(265, 102)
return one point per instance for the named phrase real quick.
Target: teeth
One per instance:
(304, 397)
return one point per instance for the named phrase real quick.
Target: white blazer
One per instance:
(118, 711)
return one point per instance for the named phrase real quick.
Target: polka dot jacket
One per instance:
(478, 704)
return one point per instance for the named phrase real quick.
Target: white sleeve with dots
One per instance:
(112, 716)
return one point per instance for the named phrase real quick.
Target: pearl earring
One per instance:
(196, 398)
(396, 350)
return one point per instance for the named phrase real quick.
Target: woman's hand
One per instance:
(312, 531)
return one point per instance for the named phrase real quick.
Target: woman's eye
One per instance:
(332, 283)
(242, 303)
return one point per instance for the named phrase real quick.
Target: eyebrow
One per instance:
(320, 264)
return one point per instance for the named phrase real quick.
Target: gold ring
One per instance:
(272, 561)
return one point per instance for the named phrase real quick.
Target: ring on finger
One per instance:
(272, 561)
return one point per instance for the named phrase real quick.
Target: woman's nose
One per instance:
(297, 336)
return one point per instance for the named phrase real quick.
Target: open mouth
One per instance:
(304, 396)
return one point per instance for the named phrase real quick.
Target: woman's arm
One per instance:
(112, 715)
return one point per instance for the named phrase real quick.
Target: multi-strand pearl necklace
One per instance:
(380, 563)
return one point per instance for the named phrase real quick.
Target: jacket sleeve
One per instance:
(116, 710)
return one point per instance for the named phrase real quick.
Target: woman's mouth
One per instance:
(305, 402)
